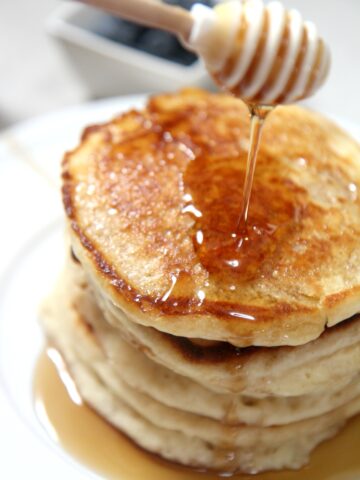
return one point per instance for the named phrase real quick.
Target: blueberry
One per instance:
(118, 30)
(184, 56)
(189, 3)
(173, 2)
(158, 42)
(153, 41)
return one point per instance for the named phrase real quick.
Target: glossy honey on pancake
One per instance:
(153, 199)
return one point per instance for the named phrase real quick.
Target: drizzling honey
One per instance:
(227, 246)
(98, 446)
(258, 114)
(234, 230)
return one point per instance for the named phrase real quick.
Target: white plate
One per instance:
(31, 253)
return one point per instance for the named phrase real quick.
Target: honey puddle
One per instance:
(101, 448)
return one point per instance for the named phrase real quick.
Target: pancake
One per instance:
(319, 366)
(133, 370)
(213, 344)
(153, 197)
(175, 434)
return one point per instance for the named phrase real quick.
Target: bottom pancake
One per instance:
(170, 430)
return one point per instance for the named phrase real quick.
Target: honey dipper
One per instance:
(262, 54)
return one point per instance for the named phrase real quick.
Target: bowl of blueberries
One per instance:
(114, 56)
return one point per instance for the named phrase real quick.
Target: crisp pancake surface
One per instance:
(153, 198)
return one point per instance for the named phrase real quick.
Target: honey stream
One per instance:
(258, 114)
(101, 448)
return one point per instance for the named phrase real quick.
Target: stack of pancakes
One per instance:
(217, 346)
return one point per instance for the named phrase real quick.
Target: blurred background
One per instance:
(54, 53)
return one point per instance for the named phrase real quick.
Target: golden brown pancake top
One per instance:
(154, 198)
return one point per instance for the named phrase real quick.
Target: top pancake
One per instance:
(153, 198)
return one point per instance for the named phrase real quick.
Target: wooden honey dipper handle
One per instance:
(150, 13)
